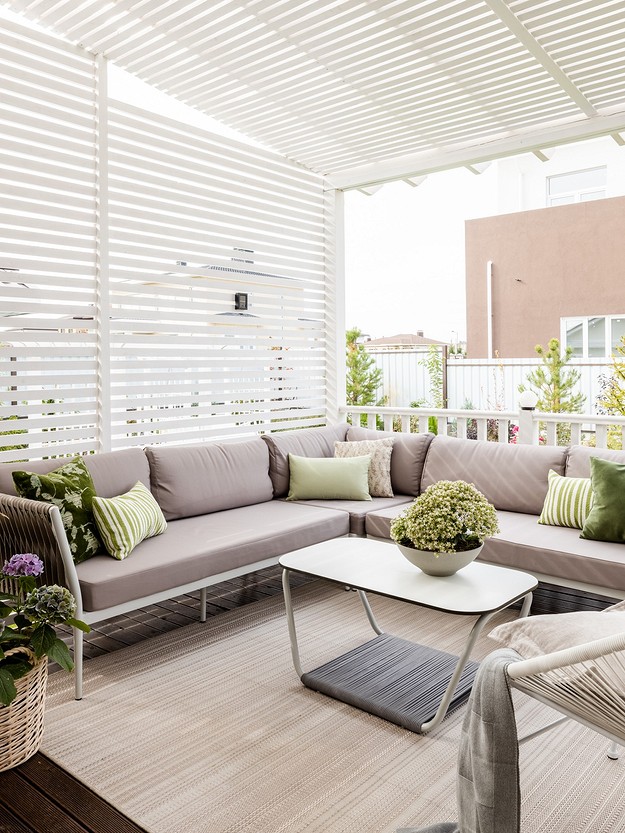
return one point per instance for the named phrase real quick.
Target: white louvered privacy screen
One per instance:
(366, 90)
(118, 325)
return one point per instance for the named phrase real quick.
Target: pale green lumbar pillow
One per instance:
(568, 501)
(126, 520)
(329, 478)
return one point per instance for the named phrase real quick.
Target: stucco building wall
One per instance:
(547, 264)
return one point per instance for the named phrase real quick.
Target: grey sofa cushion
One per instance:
(305, 442)
(578, 459)
(513, 477)
(524, 544)
(191, 549)
(192, 480)
(407, 459)
(554, 551)
(358, 510)
(378, 521)
(113, 472)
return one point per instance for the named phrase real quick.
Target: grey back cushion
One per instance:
(190, 480)
(113, 472)
(578, 459)
(407, 459)
(513, 477)
(303, 442)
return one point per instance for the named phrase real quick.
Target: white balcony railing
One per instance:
(522, 426)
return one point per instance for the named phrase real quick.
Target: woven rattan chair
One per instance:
(585, 683)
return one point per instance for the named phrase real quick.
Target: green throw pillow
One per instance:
(69, 487)
(568, 501)
(329, 478)
(126, 520)
(606, 521)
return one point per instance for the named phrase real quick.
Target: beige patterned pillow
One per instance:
(380, 466)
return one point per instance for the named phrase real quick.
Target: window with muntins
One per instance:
(577, 186)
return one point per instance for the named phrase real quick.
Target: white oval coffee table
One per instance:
(409, 684)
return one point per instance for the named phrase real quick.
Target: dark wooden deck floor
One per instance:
(40, 797)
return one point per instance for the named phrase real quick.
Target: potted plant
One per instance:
(28, 615)
(444, 529)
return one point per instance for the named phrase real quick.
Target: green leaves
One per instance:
(76, 623)
(8, 692)
(59, 652)
(42, 639)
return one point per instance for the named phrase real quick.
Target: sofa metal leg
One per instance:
(203, 594)
(78, 642)
(613, 751)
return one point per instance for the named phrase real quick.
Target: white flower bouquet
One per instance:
(450, 516)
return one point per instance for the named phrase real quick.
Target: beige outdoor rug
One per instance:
(207, 729)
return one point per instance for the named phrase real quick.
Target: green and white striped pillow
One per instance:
(126, 520)
(568, 501)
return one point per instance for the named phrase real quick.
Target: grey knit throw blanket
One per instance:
(487, 788)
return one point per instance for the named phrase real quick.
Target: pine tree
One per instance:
(555, 386)
(611, 400)
(363, 377)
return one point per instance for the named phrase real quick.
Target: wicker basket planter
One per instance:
(21, 722)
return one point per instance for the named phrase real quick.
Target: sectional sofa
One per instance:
(227, 516)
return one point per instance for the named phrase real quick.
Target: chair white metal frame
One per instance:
(585, 683)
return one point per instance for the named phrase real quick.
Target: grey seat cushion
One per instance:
(554, 551)
(378, 521)
(525, 544)
(195, 548)
(305, 442)
(359, 509)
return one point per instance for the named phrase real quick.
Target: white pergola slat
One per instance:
(366, 91)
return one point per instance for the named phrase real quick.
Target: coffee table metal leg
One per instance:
(372, 621)
(288, 604)
(462, 661)
(453, 682)
(527, 603)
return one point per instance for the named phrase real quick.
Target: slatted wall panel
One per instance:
(48, 378)
(193, 220)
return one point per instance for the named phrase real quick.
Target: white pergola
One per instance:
(125, 235)
(364, 91)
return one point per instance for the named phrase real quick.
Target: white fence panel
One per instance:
(482, 384)
(405, 378)
(494, 384)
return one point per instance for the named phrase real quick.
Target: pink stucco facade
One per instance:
(546, 264)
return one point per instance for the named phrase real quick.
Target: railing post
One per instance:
(528, 427)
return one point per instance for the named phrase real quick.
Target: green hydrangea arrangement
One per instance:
(450, 516)
(28, 615)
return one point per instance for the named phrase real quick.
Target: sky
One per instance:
(404, 254)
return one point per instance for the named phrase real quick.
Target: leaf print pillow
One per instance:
(69, 487)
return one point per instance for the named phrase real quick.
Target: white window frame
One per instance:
(585, 319)
(577, 193)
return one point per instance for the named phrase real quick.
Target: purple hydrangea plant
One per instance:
(28, 614)
(23, 564)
